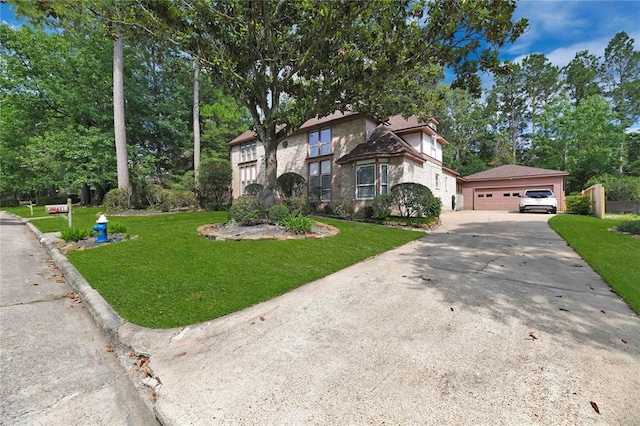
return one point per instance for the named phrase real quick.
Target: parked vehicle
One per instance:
(538, 199)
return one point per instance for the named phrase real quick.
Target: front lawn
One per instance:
(616, 257)
(170, 276)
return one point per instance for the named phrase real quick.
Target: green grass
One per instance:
(170, 276)
(614, 256)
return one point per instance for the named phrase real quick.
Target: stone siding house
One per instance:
(352, 157)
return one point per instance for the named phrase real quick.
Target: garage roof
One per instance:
(512, 171)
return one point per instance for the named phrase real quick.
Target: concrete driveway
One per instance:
(492, 319)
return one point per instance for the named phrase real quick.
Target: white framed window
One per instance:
(384, 179)
(320, 180)
(437, 180)
(320, 142)
(365, 181)
(248, 174)
(248, 152)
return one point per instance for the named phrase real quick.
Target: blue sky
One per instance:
(560, 29)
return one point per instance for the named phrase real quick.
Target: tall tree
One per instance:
(540, 85)
(509, 98)
(382, 58)
(581, 76)
(119, 125)
(583, 139)
(55, 91)
(107, 15)
(620, 75)
(462, 120)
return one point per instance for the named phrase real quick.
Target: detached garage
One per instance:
(500, 188)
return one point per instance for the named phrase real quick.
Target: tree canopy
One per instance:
(287, 62)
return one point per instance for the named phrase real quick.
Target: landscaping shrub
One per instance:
(298, 224)
(382, 206)
(341, 208)
(435, 209)
(117, 228)
(630, 226)
(298, 206)
(215, 180)
(368, 212)
(254, 190)
(291, 184)
(578, 204)
(278, 213)
(118, 199)
(413, 200)
(163, 199)
(75, 234)
(247, 210)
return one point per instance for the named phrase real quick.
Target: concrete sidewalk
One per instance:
(492, 319)
(55, 367)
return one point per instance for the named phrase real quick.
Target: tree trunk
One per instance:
(196, 129)
(118, 111)
(86, 194)
(271, 174)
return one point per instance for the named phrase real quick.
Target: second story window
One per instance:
(247, 152)
(319, 142)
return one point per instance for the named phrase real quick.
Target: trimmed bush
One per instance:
(254, 190)
(578, 204)
(247, 210)
(298, 224)
(630, 226)
(118, 199)
(414, 200)
(75, 234)
(291, 184)
(278, 213)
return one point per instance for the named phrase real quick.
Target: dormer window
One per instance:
(320, 142)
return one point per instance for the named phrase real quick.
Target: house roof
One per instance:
(400, 125)
(250, 135)
(397, 124)
(383, 143)
(513, 171)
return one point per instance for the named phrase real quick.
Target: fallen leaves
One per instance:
(532, 336)
(564, 310)
(624, 341)
(595, 407)
(75, 298)
(142, 364)
(111, 349)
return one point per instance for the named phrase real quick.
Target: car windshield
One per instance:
(538, 194)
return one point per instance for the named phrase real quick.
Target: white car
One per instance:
(538, 199)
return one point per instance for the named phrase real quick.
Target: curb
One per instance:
(102, 313)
